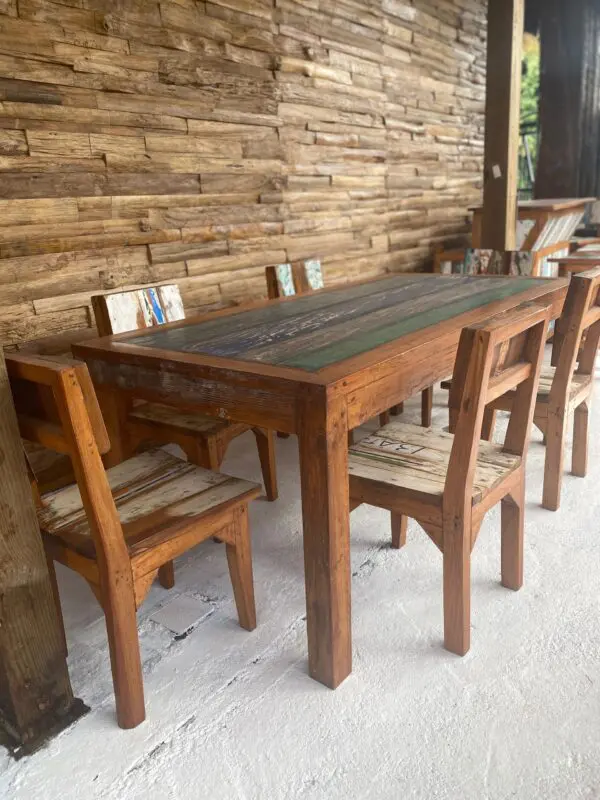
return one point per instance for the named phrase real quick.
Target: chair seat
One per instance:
(579, 383)
(155, 493)
(161, 416)
(415, 459)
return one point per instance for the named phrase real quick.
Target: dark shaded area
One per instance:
(56, 722)
(568, 163)
(532, 16)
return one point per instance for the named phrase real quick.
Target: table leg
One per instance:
(323, 443)
(115, 406)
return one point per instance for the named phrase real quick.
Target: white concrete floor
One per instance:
(233, 714)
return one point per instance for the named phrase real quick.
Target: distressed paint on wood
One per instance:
(152, 486)
(316, 331)
(145, 308)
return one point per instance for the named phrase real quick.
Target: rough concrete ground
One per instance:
(233, 714)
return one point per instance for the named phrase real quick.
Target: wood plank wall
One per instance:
(198, 142)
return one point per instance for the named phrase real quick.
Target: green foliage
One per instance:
(530, 95)
(530, 88)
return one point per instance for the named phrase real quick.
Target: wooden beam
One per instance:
(502, 111)
(36, 699)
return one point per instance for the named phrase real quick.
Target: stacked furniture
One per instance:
(545, 229)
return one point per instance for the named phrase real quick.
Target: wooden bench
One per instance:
(118, 528)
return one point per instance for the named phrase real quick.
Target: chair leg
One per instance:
(553, 467)
(396, 410)
(457, 587)
(281, 435)
(399, 525)
(384, 419)
(166, 575)
(239, 560)
(579, 457)
(118, 601)
(265, 442)
(512, 524)
(489, 423)
(426, 406)
(204, 453)
(55, 594)
(350, 438)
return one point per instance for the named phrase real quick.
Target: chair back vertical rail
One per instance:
(500, 355)
(473, 367)
(296, 278)
(89, 471)
(580, 316)
(517, 436)
(112, 556)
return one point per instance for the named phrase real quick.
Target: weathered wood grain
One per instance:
(259, 132)
(323, 329)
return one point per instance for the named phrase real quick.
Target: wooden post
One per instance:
(502, 112)
(36, 699)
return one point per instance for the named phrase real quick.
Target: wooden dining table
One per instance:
(317, 366)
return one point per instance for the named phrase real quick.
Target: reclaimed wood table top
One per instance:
(318, 331)
(318, 366)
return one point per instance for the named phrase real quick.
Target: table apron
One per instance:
(399, 379)
(226, 399)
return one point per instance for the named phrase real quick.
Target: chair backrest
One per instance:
(299, 277)
(57, 408)
(580, 321)
(499, 355)
(476, 261)
(120, 312)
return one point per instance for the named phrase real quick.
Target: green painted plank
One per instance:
(359, 343)
(397, 305)
(235, 328)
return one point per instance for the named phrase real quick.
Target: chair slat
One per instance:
(507, 380)
(120, 312)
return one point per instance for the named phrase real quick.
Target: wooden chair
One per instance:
(565, 388)
(301, 277)
(448, 481)
(203, 439)
(478, 261)
(118, 528)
